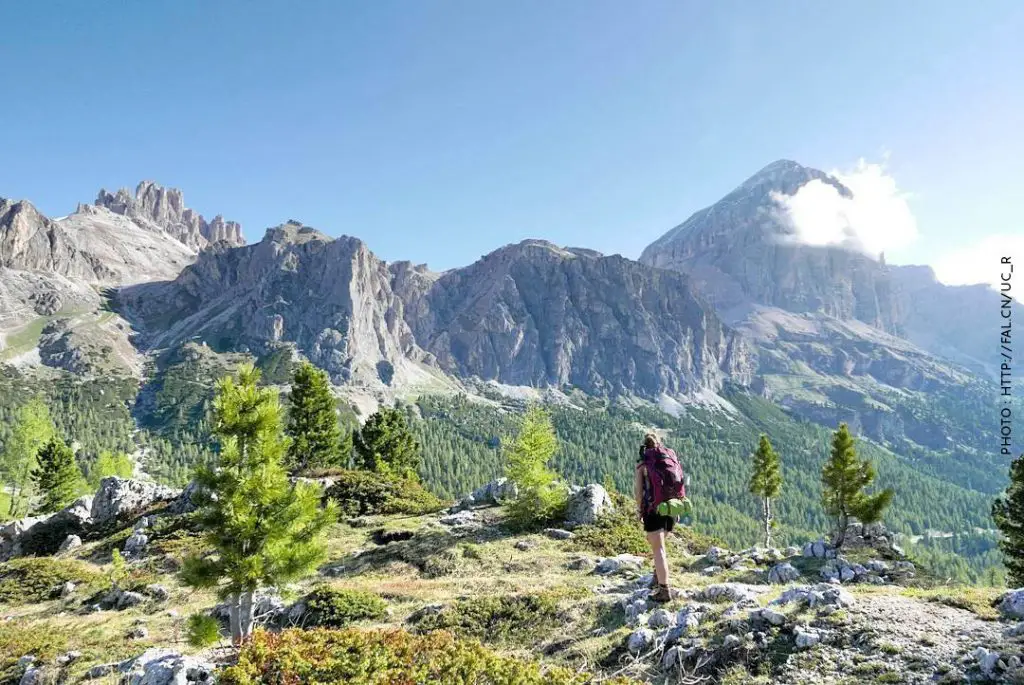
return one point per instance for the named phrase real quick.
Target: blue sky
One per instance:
(439, 130)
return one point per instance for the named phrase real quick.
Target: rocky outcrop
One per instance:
(31, 242)
(119, 498)
(158, 666)
(165, 208)
(586, 505)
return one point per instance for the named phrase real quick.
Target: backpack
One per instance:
(665, 474)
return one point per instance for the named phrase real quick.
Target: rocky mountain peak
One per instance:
(165, 209)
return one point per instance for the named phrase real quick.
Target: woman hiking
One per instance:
(659, 481)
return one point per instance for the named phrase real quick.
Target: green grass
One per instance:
(25, 338)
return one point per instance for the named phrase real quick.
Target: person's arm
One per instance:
(638, 489)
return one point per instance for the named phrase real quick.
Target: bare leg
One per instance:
(657, 542)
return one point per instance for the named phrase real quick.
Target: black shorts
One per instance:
(654, 522)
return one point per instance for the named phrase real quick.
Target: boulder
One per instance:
(661, 618)
(640, 640)
(135, 545)
(715, 553)
(33, 675)
(461, 519)
(120, 497)
(818, 595)
(559, 534)
(586, 505)
(100, 671)
(581, 564)
(731, 642)
(68, 657)
(188, 501)
(160, 666)
(619, 564)
(138, 633)
(46, 536)
(771, 616)
(730, 592)
(492, 494)
(67, 589)
(806, 637)
(158, 592)
(1011, 604)
(987, 661)
(70, 542)
(526, 545)
(783, 573)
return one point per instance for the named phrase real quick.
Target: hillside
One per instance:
(544, 606)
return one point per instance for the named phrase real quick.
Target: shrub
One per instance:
(616, 532)
(379, 657)
(329, 607)
(42, 640)
(498, 619)
(202, 630)
(360, 493)
(37, 579)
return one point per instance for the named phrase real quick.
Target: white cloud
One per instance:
(980, 262)
(876, 219)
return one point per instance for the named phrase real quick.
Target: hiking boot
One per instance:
(661, 595)
(653, 585)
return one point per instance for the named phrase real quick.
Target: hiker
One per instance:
(659, 492)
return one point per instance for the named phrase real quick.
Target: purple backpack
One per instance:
(665, 474)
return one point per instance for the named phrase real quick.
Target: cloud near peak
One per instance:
(876, 219)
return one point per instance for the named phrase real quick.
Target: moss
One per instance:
(35, 579)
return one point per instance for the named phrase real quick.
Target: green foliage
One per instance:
(542, 496)
(501, 619)
(616, 532)
(386, 445)
(56, 476)
(360, 493)
(1008, 514)
(202, 630)
(118, 571)
(261, 529)
(316, 440)
(33, 429)
(110, 464)
(766, 482)
(276, 367)
(379, 657)
(37, 579)
(329, 607)
(844, 478)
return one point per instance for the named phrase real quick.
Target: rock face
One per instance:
(165, 208)
(119, 497)
(538, 315)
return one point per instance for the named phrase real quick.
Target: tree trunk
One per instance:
(767, 523)
(234, 616)
(844, 522)
(245, 615)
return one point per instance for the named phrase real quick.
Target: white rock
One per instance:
(587, 505)
(119, 497)
(776, 618)
(70, 542)
(661, 618)
(806, 638)
(618, 564)
(783, 573)
(987, 660)
(1011, 604)
(67, 589)
(716, 553)
(135, 545)
(164, 667)
(731, 642)
(640, 640)
(559, 534)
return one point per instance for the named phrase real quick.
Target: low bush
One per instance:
(498, 619)
(41, 640)
(202, 630)
(378, 657)
(362, 493)
(616, 532)
(37, 579)
(329, 607)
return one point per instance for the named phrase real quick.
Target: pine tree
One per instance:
(263, 531)
(1008, 514)
(33, 428)
(542, 496)
(766, 482)
(844, 478)
(385, 445)
(56, 476)
(313, 422)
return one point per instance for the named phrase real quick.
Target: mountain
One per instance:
(55, 273)
(530, 315)
(744, 258)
